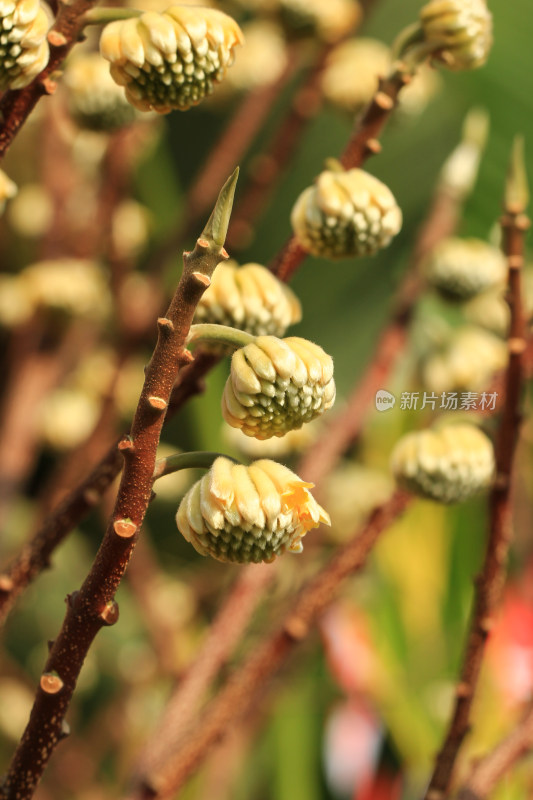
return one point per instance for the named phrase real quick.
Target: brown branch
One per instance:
(346, 426)
(362, 143)
(224, 633)
(93, 606)
(16, 105)
(488, 771)
(247, 684)
(490, 582)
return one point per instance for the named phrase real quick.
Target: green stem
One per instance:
(222, 334)
(197, 459)
(411, 35)
(101, 16)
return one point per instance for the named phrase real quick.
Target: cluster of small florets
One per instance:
(249, 298)
(462, 268)
(276, 385)
(248, 514)
(345, 213)
(24, 49)
(460, 30)
(170, 60)
(448, 465)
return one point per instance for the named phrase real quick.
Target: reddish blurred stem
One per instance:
(490, 582)
(487, 772)
(247, 685)
(224, 634)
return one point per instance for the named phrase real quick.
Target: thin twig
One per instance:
(93, 606)
(224, 633)
(490, 582)
(490, 770)
(247, 684)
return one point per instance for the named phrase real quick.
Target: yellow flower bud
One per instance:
(448, 465)
(346, 213)
(462, 268)
(248, 514)
(461, 31)
(94, 99)
(249, 298)
(24, 50)
(71, 286)
(276, 385)
(170, 60)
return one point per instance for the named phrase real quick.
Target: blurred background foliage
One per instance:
(370, 695)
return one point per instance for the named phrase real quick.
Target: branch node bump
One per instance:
(125, 444)
(51, 683)
(199, 277)
(165, 325)
(56, 39)
(159, 403)
(6, 584)
(384, 101)
(125, 528)
(110, 613)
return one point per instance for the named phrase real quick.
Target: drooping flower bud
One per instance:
(276, 385)
(462, 268)
(170, 60)
(345, 213)
(248, 514)
(249, 298)
(24, 49)
(94, 99)
(448, 465)
(461, 31)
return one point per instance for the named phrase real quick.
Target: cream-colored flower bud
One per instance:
(329, 20)
(31, 212)
(248, 514)
(67, 417)
(261, 61)
(16, 306)
(24, 50)
(466, 362)
(344, 214)
(351, 75)
(462, 268)
(461, 31)
(276, 385)
(170, 60)
(94, 99)
(71, 286)
(249, 298)
(352, 491)
(449, 464)
(8, 189)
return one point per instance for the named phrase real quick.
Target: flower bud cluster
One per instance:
(248, 514)
(461, 31)
(24, 50)
(276, 385)
(170, 60)
(249, 298)
(448, 465)
(466, 362)
(345, 213)
(330, 21)
(462, 268)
